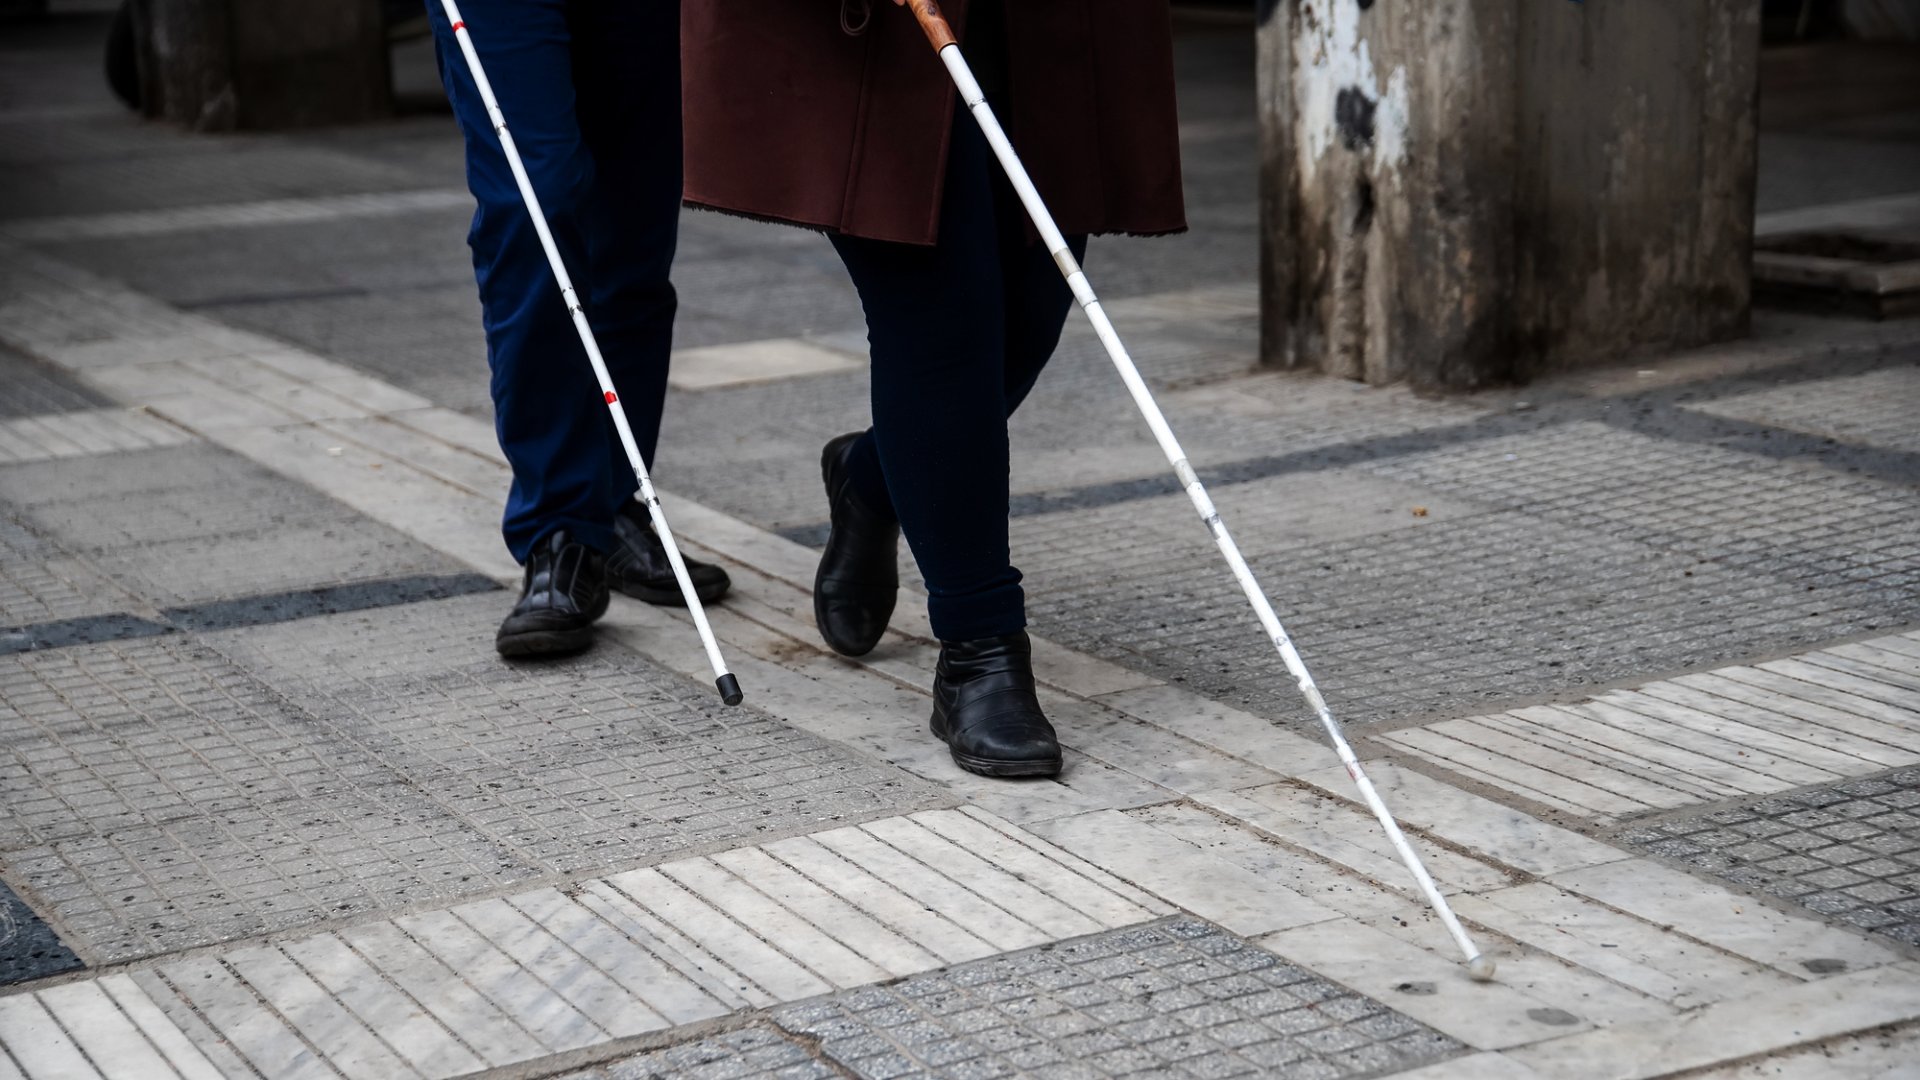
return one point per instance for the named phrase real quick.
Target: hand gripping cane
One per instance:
(724, 679)
(1479, 965)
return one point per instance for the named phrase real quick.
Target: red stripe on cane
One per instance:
(459, 26)
(610, 398)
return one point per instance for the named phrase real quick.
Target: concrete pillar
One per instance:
(224, 65)
(1464, 192)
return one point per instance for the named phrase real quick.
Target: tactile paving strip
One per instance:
(1177, 998)
(159, 795)
(1850, 851)
(39, 583)
(1610, 555)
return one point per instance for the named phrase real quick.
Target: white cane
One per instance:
(724, 679)
(1479, 964)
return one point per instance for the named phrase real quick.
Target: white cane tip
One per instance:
(1480, 968)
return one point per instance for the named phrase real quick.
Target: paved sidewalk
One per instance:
(1635, 654)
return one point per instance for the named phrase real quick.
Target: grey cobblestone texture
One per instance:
(40, 583)
(604, 756)
(157, 798)
(1177, 998)
(1849, 851)
(29, 949)
(1847, 539)
(1580, 555)
(158, 795)
(196, 523)
(1877, 408)
(31, 389)
(1449, 617)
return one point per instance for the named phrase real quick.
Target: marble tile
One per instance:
(1732, 1030)
(882, 900)
(1039, 864)
(343, 1040)
(105, 1034)
(1706, 694)
(242, 1020)
(185, 1058)
(1630, 951)
(1704, 911)
(455, 1004)
(36, 1040)
(776, 974)
(564, 971)
(885, 948)
(1475, 823)
(663, 989)
(1349, 836)
(516, 991)
(1432, 988)
(1244, 735)
(1211, 887)
(781, 928)
(399, 1020)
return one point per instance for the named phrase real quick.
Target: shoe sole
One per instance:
(671, 596)
(995, 767)
(544, 643)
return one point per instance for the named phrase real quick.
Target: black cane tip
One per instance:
(729, 689)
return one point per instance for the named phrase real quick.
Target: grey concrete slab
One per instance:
(1849, 851)
(195, 523)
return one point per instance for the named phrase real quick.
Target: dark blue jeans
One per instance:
(959, 333)
(591, 94)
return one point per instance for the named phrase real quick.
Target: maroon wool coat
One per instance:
(790, 118)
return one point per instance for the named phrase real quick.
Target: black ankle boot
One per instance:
(859, 577)
(985, 710)
(565, 591)
(638, 565)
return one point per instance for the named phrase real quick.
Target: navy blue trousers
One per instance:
(958, 333)
(591, 94)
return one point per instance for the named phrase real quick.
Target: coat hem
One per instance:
(831, 230)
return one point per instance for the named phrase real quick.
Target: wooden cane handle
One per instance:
(931, 21)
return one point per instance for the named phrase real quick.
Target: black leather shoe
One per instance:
(859, 577)
(639, 566)
(985, 710)
(566, 589)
